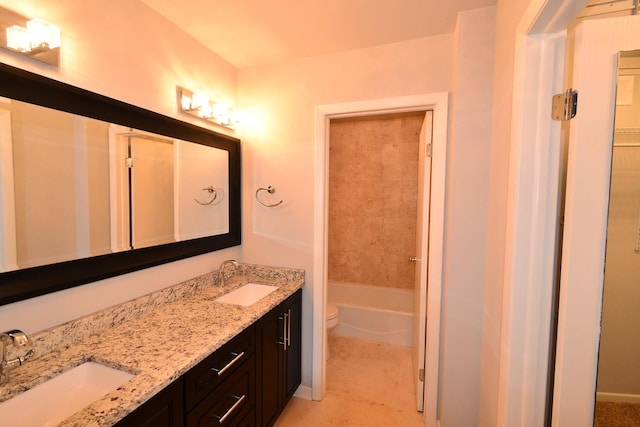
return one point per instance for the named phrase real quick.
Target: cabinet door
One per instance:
(270, 338)
(279, 346)
(293, 353)
(165, 409)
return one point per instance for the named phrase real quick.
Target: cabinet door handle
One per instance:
(230, 364)
(233, 408)
(288, 317)
(285, 338)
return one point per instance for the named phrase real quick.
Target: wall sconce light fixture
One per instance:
(34, 38)
(199, 105)
(37, 36)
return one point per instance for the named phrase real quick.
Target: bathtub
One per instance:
(373, 313)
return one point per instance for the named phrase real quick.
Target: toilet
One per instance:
(333, 318)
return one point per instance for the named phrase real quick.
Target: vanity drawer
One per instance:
(231, 404)
(211, 372)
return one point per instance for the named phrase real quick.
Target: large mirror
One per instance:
(618, 380)
(91, 187)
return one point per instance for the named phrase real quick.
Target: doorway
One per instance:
(438, 104)
(142, 169)
(374, 171)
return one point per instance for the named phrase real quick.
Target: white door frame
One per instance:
(438, 102)
(532, 211)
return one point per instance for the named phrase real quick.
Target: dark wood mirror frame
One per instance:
(27, 283)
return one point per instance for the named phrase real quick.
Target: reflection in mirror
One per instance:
(83, 187)
(55, 204)
(72, 211)
(618, 381)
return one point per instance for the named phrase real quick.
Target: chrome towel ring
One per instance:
(213, 192)
(269, 190)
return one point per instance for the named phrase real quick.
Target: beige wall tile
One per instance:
(373, 184)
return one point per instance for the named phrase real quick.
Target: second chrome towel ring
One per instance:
(269, 190)
(213, 193)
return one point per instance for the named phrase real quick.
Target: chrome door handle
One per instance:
(288, 317)
(413, 259)
(285, 338)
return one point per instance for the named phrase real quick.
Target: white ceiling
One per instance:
(256, 32)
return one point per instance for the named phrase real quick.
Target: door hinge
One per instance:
(564, 105)
(428, 150)
(129, 162)
(421, 375)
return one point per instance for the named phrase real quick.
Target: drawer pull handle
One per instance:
(230, 364)
(289, 328)
(233, 408)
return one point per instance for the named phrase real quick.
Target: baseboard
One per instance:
(617, 397)
(303, 392)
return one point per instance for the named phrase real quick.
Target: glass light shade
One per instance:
(198, 104)
(43, 34)
(18, 38)
(185, 102)
(199, 100)
(205, 111)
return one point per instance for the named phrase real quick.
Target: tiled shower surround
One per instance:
(373, 185)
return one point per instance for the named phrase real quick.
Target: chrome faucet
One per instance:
(19, 340)
(221, 269)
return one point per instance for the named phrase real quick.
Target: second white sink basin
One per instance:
(247, 294)
(55, 400)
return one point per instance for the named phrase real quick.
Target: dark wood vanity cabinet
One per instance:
(165, 409)
(278, 336)
(245, 383)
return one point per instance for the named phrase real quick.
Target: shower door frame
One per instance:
(438, 103)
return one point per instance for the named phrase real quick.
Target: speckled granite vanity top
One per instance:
(157, 337)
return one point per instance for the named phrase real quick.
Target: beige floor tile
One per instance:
(368, 384)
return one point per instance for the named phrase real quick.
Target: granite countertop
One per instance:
(158, 338)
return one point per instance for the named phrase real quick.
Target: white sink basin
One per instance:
(247, 294)
(55, 400)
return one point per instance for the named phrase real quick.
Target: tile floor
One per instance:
(368, 384)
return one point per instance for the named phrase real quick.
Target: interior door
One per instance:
(597, 44)
(422, 258)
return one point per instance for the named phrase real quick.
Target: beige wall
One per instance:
(508, 15)
(143, 68)
(464, 297)
(38, 197)
(140, 67)
(98, 187)
(136, 56)
(279, 151)
(279, 103)
(60, 164)
(373, 184)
